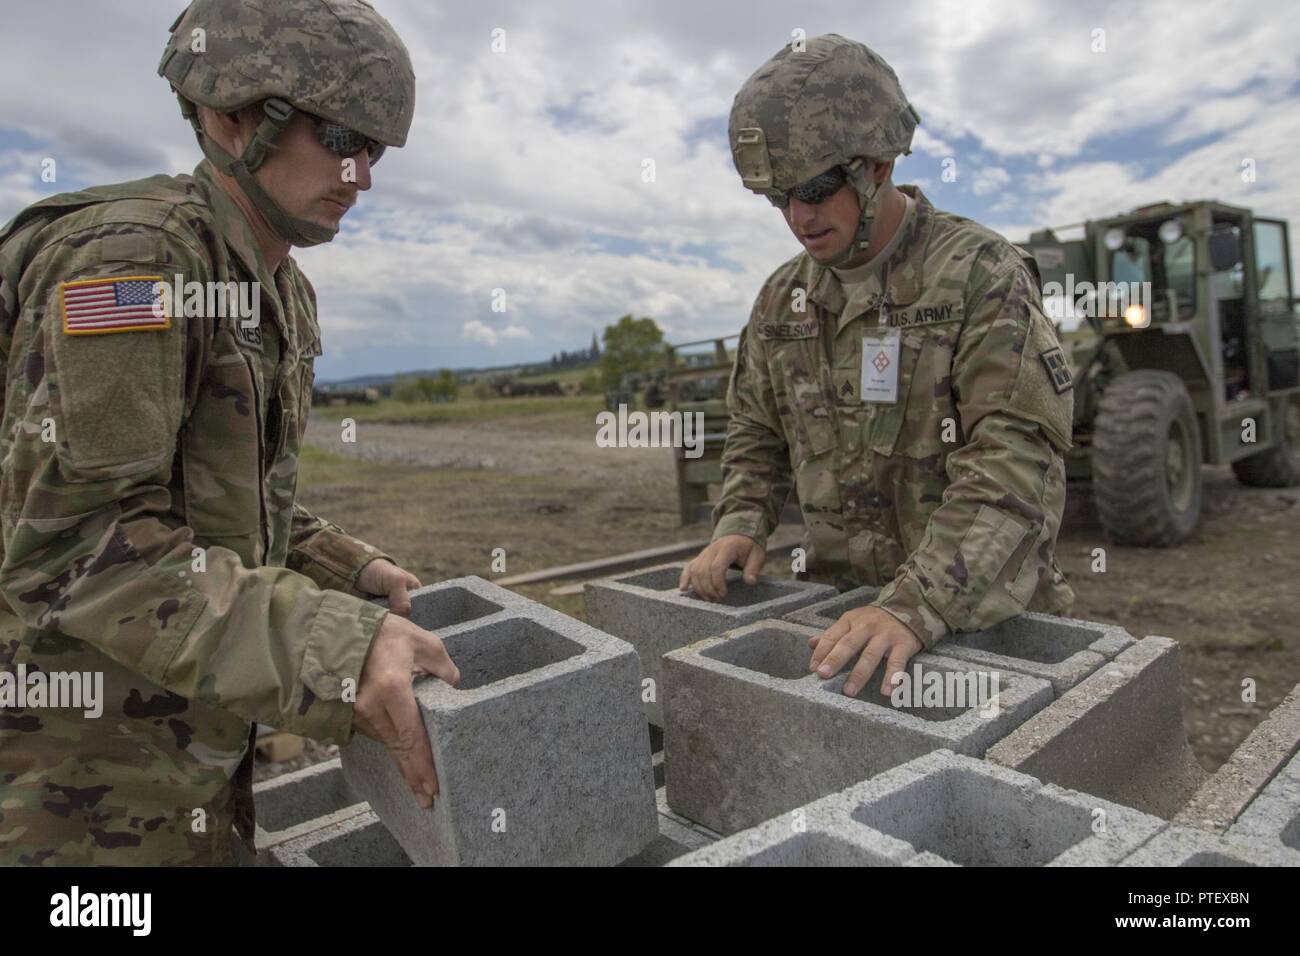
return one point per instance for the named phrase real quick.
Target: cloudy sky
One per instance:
(523, 171)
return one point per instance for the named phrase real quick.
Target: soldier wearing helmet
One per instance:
(897, 373)
(149, 456)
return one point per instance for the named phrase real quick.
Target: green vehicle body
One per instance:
(1216, 312)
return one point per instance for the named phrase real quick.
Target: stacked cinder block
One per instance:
(1118, 734)
(1061, 650)
(1273, 817)
(297, 803)
(1255, 762)
(829, 610)
(542, 752)
(937, 810)
(751, 732)
(359, 840)
(1188, 846)
(677, 837)
(646, 609)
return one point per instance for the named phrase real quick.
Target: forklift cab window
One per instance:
(1270, 260)
(1132, 261)
(1228, 283)
(1180, 273)
(1226, 287)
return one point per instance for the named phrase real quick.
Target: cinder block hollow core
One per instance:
(964, 689)
(810, 848)
(507, 649)
(975, 820)
(776, 653)
(369, 845)
(1026, 644)
(455, 605)
(327, 793)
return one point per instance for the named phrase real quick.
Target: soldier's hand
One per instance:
(386, 579)
(386, 709)
(881, 634)
(707, 574)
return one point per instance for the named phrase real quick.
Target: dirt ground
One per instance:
(440, 497)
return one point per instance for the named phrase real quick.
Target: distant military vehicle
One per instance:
(324, 395)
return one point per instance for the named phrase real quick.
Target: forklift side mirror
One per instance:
(1225, 250)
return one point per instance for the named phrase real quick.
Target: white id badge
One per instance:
(880, 366)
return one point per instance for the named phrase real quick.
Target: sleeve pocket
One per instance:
(116, 400)
(988, 544)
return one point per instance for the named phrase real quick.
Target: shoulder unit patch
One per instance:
(1058, 369)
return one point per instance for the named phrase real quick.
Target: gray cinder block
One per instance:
(677, 837)
(1188, 846)
(938, 810)
(359, 840)
(1273, 817)
(542, 751)
(825, 613)
(302, 801)
(1118, 733)
(646, 609)
(1061, 650)
(751, 732)
(1255, 762)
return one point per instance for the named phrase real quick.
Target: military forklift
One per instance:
(1185, 353)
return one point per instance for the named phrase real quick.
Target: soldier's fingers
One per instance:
(843, 652)
(692, 575)
(865, 666)
(754, 564)
(410, 747)
(375, 725)
(823, 642)
(412, 581)
(398, 599)
(431, 656)
(718, 576)
(899, 655)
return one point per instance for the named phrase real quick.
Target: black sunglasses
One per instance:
(816, 190)
(344, 142)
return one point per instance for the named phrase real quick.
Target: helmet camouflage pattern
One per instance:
(335, 59)
(804, 112)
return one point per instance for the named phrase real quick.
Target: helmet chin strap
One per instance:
(297, 232)
(868, 199)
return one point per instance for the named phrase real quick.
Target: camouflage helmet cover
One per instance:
(803, 112)
(337, 59)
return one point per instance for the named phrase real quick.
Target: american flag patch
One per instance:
(120, 304)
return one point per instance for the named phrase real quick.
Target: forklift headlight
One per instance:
(1170, 231)
(1114, 238)
(1135, 317)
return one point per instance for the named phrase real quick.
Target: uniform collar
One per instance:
(236, 233)
(905, 267)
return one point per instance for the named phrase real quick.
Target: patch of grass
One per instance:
(565, 375)
(466, 409)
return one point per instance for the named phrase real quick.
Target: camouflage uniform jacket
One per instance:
(951, 497)
(120, 455)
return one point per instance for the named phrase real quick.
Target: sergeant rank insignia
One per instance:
(1058, 369)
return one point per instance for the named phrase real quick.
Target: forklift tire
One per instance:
(1279, 467)
(1146, 460)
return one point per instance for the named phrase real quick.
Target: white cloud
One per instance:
(988, 179)
(523, 169)
(479, 332)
